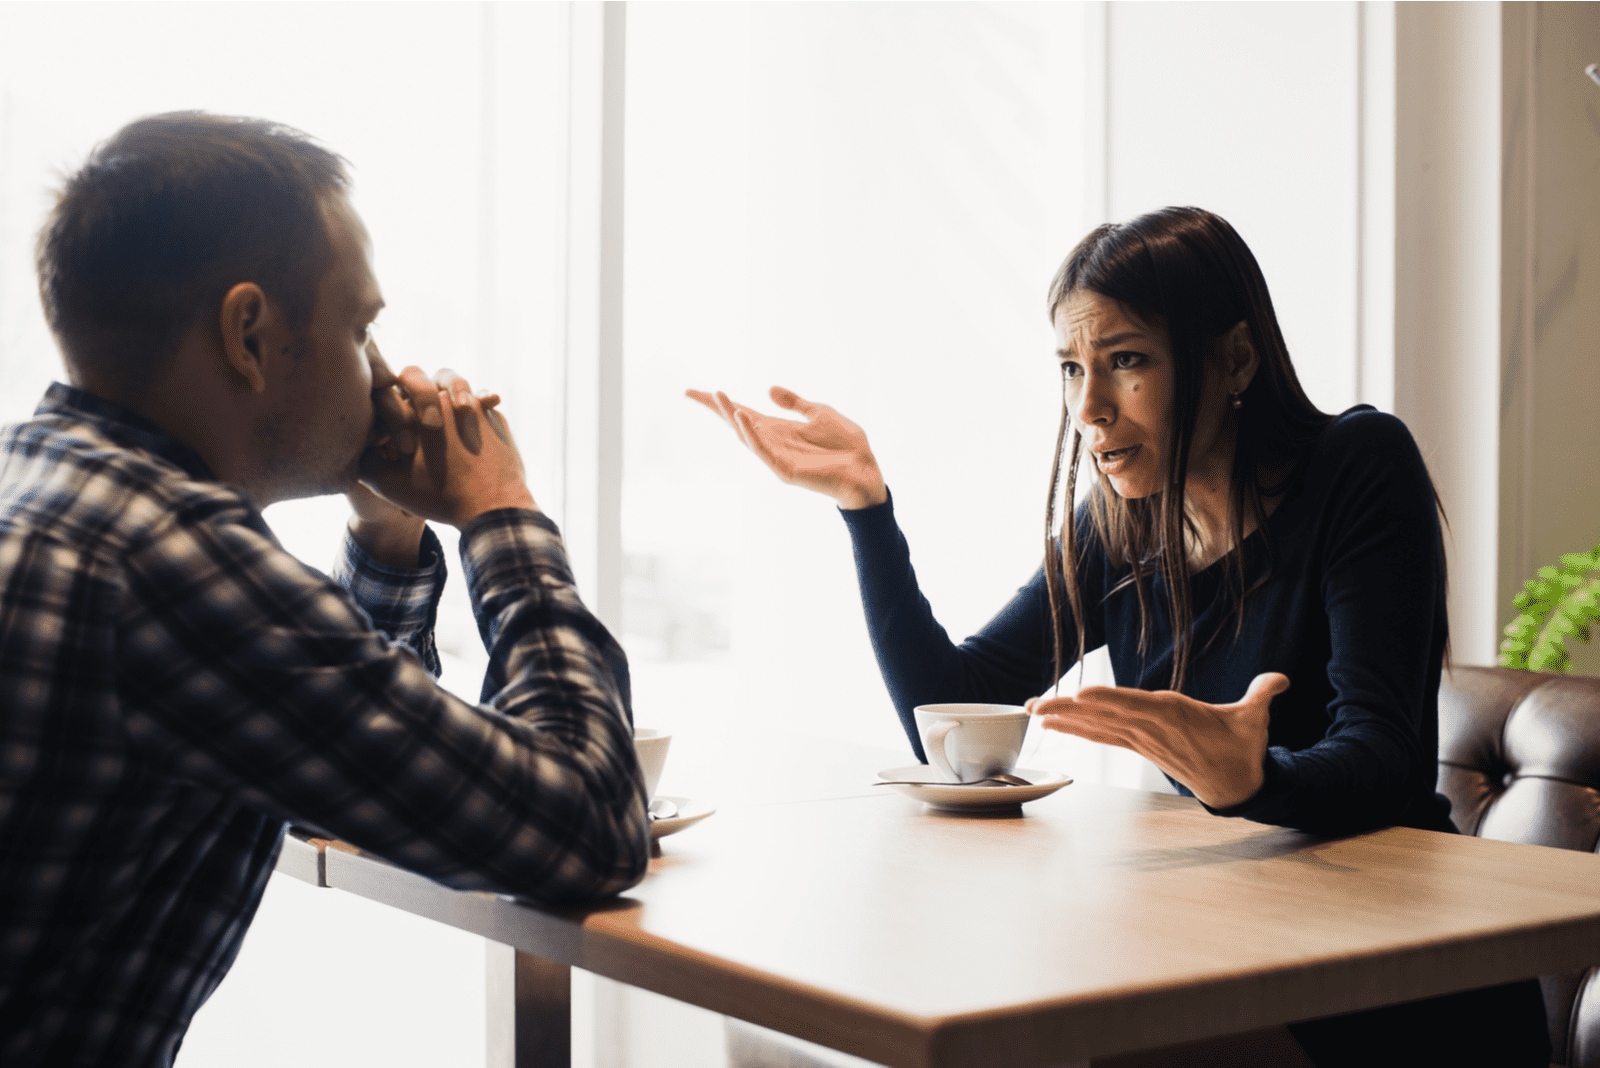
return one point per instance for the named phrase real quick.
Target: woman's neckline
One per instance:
(1272, 506)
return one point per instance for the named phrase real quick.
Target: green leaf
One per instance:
(1555, 605)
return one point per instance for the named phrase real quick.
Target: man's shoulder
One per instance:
(70, 481)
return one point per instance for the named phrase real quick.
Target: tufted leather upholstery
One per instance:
(1519, 758)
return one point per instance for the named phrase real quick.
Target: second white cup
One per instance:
(968, 742)
(651, 747)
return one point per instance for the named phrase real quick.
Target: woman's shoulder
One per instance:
(1365, 459)
(1363, 438)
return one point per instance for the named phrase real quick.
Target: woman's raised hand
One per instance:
(1214, 750)
(826, 453)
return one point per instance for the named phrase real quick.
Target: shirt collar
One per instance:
(124, 427)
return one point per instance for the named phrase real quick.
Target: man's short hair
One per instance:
(163, 219)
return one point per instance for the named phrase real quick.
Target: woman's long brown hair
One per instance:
(1188, 272)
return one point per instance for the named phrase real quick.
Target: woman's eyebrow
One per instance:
(1107, 342)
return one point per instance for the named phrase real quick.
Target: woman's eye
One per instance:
(1070, 369)
(1125, 360)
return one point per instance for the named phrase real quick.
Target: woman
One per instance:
(1269, 580)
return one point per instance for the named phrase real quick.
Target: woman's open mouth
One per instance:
(1113, 460)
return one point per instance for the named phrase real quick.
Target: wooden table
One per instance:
(1095, 921)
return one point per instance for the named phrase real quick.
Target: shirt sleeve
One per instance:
(246, 673)
(1382, 585)
(403, 602)
(1006, 662)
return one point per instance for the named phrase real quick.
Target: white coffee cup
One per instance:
(965, 743)
(651, 747)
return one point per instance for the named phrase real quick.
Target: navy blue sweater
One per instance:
(1352, 610)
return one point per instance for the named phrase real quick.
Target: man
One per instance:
(174, 687)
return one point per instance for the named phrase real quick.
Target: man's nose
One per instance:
(382, 377)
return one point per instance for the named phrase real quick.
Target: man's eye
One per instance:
(1070, 369)
(1125, 360)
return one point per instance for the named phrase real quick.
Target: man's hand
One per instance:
(1214, 750)
(465, 462)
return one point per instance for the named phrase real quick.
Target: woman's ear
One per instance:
(1238, 358)
(251, 325)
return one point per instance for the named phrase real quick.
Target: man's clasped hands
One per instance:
(437, 451)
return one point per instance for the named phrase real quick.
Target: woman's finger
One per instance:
(730, 412)
(1092, 732)
(1265, 687)
(704, 398)
(788, 398)
(1079, 706)
(750, 429)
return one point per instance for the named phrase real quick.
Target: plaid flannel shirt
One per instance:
(174, 687)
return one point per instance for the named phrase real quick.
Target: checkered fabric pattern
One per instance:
(174, 688)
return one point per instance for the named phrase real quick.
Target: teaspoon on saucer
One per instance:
(1003, 780)
(662, 809)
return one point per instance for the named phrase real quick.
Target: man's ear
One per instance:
(251, 329)
(1238, 358)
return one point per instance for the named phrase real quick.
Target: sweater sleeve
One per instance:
(1009, 660)
(1382, 584)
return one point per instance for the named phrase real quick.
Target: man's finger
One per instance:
(424, 396)
(498, 424)
(469, 422)
(460, 389)
(395, 414)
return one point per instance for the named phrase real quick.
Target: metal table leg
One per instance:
(529, 1010)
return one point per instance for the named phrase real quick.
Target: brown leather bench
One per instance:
(1519, 758)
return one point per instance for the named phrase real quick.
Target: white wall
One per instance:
(1446, 296)
(1252, 111)
(1550, 294)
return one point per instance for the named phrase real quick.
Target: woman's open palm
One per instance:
(1214, 750)
(826, 453)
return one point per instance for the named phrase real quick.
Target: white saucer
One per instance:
(926, 787)
(690, 812)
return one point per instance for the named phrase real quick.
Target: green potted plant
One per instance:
(1556, 604)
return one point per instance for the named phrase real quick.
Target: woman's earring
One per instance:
(1235, 402)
